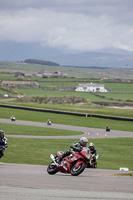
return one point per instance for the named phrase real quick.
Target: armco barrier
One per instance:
(44, 110)
(68, 113)
(113, 117)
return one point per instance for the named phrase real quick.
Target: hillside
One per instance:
(41, 62)
(111, 57)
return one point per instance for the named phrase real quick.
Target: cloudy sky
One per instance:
(77, 25)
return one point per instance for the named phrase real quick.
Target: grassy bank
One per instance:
(91, 109)
(11, 129)
(113, 153)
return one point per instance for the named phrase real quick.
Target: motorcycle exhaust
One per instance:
(53, 159)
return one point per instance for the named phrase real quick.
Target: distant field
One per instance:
(71, 71)
(89, 96)
(121, 92)
(4, 92)
(56, 93)
(120, 87)
(119, 97)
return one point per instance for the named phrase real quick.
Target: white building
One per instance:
(90, 87)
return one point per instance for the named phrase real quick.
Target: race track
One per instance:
(32, 182)
(92, 131)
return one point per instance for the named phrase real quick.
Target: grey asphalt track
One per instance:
(93, 132)
(31, 182)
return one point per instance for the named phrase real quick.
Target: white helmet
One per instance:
(91, 145)
(83, 141)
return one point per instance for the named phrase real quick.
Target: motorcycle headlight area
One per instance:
(87, 155)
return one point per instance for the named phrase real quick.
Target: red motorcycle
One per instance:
(74, 164)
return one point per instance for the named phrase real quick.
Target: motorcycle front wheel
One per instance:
(52, 169)
(75, 171)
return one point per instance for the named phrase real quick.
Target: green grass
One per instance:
(76, 108)
(127, 174)
(12, 129)
(6, 113)
(56, 93)
(113, 153)
(104, 97)
(4, 92)
(120, 87)
(119, 97)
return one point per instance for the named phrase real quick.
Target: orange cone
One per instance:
(97, 134)
(105, 135)
(88, 134)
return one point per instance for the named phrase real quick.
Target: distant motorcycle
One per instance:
(108, 129)
(74, 164)
(13, 119)
(93, 163)
(49, 123)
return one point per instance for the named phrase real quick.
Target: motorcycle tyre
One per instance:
(53, 170)
(79, 171)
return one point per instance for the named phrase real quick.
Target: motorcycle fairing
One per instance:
(79, 162)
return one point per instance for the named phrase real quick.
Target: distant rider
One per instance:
(76, 146)
(3, 143)
(107, 128)
(49, 122)
(12, 118)
(93, 151)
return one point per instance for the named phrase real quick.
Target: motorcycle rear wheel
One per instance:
(75, 171)
(52, 169)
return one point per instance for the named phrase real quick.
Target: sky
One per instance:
(75, 25)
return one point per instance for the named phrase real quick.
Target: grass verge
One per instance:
(113, 153)
(89, 108)
(12, 129)
(128, 174)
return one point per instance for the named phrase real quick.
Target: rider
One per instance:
(93, 151)
(76, 146)
(12, 118)
(3, 143)
(49, 122)
(107, 128)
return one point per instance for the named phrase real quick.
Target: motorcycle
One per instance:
(108, 129)
(74, 164)
(93, 163)
(13, 119)
(2, 148)
(49, 123)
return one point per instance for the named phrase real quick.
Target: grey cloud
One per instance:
(76, 24)
(119, 10)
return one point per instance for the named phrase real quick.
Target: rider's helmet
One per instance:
(91, 146)
(83, 141)
(2, 134)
